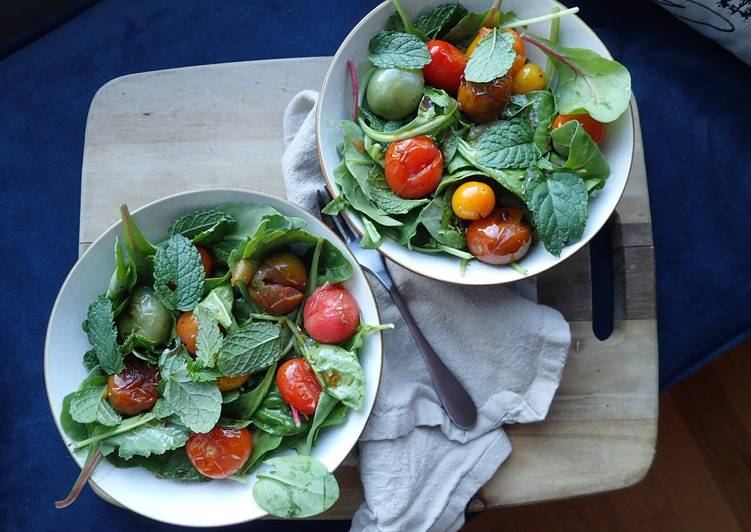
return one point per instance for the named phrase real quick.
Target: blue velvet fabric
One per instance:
(696, 121)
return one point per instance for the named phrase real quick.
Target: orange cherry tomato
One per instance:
(595, 129)
(206, 259)
(298, 385)
(529, 78)
(221, 452)
(446, 66)
(501, 238)
(485, 102)
(473, 200)
(278, 287)
(231, 383)
(134, 389)
(187, 330)
(414, 167)
(331, 314)
(521, 52)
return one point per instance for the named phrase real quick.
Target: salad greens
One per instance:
(183, 350)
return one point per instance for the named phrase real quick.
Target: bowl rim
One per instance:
(96, 487)
(425, 272)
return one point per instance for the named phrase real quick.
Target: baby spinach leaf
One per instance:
(218, 303)
(333, 267)
(172, 465)
(263, 444)
(178, 274)
(250, 348)
(326, 405)
(197, 404)
(213, 282)
(371, 238)
(507, 144)
(357, 198)
(462, 33)
(583, 155)
(438, 219)
(339, 372)
(558, 203)
(248, 217)
(385, 198)
(436, 21)
(378, 123)
(492, 58)
(391, 49)
(296, 486)
(228, 397)
(202, 226)
(275, 417)
(508, 179)
(103, 335)
(89, 403)
(123, 279)
(355, 156)
(458, 177)
(209, 339)
(154, 437)
(247, 403)
(357, 340)
(587, 82)
(140, 250)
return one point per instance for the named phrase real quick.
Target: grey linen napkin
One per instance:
(418, 470)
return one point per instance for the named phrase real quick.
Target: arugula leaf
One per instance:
(122, 281)
(247, 403)
(204, 225)
(558, 204)
(587, 82)
(275, 417)
(438, 218)
(218, 303)
(492, 57)
(507, 144)
(583, 154)
(197, 404)
(103, 335)
(339, 372)
(296, 486)
(263, 444)
(154, 437)
(209, 339)
(390, 49)
(178, 274)
(140, 251)
(250, 348)
(89, 404)
(436, 21)
(326, 405)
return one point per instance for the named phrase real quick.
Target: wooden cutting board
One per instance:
(157, 133)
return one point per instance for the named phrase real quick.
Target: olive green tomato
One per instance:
(394, 93)
(145, 315)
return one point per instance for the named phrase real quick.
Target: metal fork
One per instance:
(455, 399)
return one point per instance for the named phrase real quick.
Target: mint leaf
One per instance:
(178, 274)
(391, 49)
(103, 335)
(251, 348)
(492, 57)
(507, 144)
(509, 179)
(154, 437)
(90, 360)
(247, 403)
(200, 373)
(439, 19)
(89, 404)
(204, 225)
(339, 372)
(197, 404)
(209, 340)
(558, 205)
(162, 409)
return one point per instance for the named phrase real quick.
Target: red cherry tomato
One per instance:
(501, 238)
(595, 129)
(414, 167)
(133, 390)
(298, 385)
(187, 330)
(331, 314)
(279, 284)
(221, 452)
(206, 259)
(446, 66)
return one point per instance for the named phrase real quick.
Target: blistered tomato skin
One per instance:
(221, 452)
(529, 78)
(133, 390)
(501, 238)
(298, 385)
(227, 384)
(187, 330)
(278, 287)
(446, 66)
(485, 102)
(595, 129)
(414, 167)
(473, 200)
(206, 259)
(394, 93)
(331, 315)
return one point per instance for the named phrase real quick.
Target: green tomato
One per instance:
(394, 93)
(145, 315)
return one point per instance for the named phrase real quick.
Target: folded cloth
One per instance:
(419, 470)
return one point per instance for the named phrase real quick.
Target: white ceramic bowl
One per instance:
(214, 503)
(335, 105)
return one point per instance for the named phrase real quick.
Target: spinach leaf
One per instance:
(558, 203)
(122, 281)
(263, 444)
(197, 404)
(140, 251)
(219, 304)
(385, 198)
(202, 226)
(438, 218)
(371, 238)
(89, 404)
(296, 486)
(103, 335)
(209, 339)
(326, 405)
(357, 198)
(458, 177)
(228, 397)
(178, 274)
(507, 144)
(247, 403)
(357, 340)
(587, 82)
(492, 57)
(508, 179)
(250, 348)
(356, 158)
(436, 21)
(378, 123)
(154, 437)
(390, 49)
(583, 155)
(339, 372)
(172, 465)
(275, 417)
(213, 282)
(462, 33)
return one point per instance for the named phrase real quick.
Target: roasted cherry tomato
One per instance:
(278, 287)
(473, 200)
(485, 102)
(206, 259)
(298, 385)
(595, 129)
(331, 314)
(529, 78)
(221, 452)
(446, 66)
(414, 167)
(145, 315)
(500, 238)
(187, 330)
(521, 52)
(394, 93)
(133, 390)
(231, 383)
(243, 271)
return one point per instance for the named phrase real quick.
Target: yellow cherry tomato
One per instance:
(473, 200)
(529, 78)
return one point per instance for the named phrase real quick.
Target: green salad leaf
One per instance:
(358, 198)
(339, 372)
(507, 144)
(172, 465)
(358, 339)
(202, 226)
(438, 20)
(103, 335)
(390, 49)
(326, 405)
(154, 437)
(275, 417)
(539, 108)
(509, 179)
(582, 154)
(178, 274)
(250, 348)
(218, 303)
(122, 281)
(438, 218)
(89, 403)
(209, 339)
(296, 486)
(462, 33)
(140, 250)
(385, 198)
(492, 58)
(90, 360)
(263, 444)
(247, 403)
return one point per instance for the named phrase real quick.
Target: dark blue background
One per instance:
(696, 120)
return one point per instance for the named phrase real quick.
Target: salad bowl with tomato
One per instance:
(225, 367)
(475, 142)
